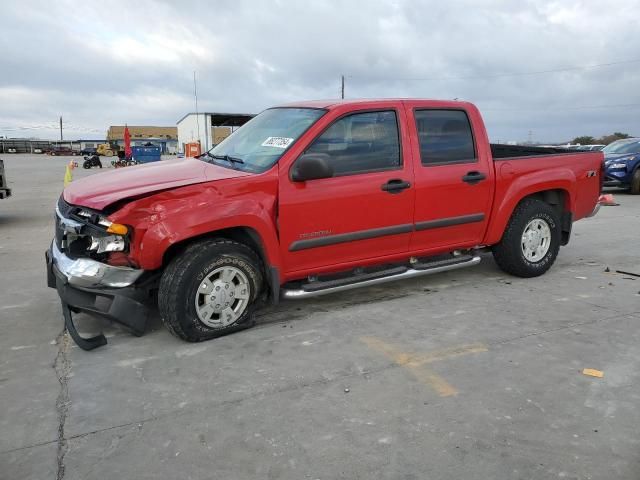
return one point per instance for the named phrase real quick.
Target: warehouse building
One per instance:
(208, 128)
(164, 137)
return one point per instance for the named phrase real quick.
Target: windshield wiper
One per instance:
(227, 158)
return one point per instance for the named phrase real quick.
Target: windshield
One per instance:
(623, 146)
(260, 143)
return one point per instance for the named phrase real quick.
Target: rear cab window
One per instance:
(445, 137)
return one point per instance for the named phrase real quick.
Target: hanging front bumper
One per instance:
(98, 289)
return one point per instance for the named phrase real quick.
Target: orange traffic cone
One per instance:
(607, 200)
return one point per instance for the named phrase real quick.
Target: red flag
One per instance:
(127, 142)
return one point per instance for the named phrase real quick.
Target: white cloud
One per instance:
(99, 63)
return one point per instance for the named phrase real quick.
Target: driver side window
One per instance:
(361, 142)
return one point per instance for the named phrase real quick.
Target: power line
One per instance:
(506, 74)
(561, 109)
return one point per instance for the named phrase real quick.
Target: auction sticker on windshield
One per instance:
(277, 142)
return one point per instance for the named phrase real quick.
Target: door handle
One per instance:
(395, 185)
(473, 177)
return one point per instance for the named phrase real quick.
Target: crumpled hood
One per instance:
(105, 188)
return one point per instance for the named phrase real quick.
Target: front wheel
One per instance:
(531, 241)
(210, 289)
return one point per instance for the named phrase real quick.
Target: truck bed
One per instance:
(499, 151)
(573, 172)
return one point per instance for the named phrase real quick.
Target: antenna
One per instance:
(195, 96)
(342, 89)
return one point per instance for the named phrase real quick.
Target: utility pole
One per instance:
(61, 128)
(342, 89)
(195, 96)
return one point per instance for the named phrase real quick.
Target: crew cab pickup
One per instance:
(308, 199)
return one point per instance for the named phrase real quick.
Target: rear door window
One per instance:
(445, 137)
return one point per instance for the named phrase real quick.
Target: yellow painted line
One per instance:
(416, 363)
(435, 381)
(452, 352)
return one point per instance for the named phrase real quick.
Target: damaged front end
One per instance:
(88, 265)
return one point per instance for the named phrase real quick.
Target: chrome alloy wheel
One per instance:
(222, 297)
(536, 240)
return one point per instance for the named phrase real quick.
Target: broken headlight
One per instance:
(108, 243)
(111, 243)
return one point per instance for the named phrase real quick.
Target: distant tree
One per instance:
(604, 140)
(607, 139)
(584, 140)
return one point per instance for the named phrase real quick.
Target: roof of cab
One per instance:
(333, 103)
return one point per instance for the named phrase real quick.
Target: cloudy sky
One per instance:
(99, 63)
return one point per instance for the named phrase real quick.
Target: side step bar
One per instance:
(315, 289)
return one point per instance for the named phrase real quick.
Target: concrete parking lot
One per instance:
(466, 375)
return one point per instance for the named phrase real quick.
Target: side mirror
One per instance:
(311, 166)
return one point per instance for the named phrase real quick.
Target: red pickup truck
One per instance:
(308, 199)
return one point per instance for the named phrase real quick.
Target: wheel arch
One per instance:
(242, 234)
(559, 197)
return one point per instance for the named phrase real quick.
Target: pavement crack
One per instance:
(62, 367)
(558, 329)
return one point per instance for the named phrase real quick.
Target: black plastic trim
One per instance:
(349, 237)
(567, 224)
(453, 162)
(448, 222)
(534, 157)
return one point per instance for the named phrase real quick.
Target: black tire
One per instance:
(635, 182)
(509, 253)
(184, 274)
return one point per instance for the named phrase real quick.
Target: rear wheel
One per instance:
(210, 289)
(635, 182)
(531, 241)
